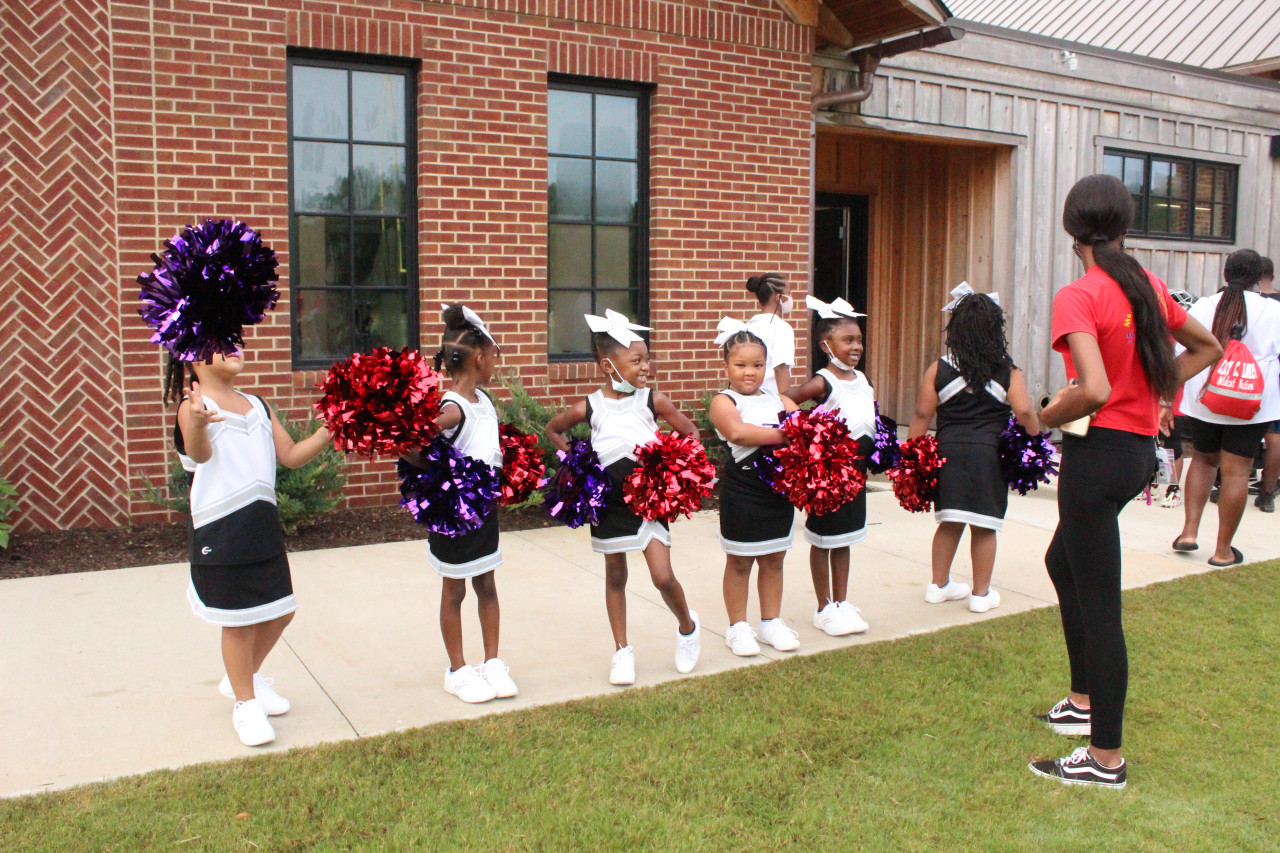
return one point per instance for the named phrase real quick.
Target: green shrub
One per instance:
(8, 506)
(717, 449)
(302, 494)
(525, 413)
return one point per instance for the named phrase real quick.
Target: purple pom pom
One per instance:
(886, 452)
(209, 283)
(1026, 460)
(576, 491)
(453, 494)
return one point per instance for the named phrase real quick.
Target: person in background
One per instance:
(771, 326)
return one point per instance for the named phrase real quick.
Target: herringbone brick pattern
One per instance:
(61, 413)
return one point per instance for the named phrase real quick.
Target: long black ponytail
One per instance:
(1098, 211)
(1243, 269)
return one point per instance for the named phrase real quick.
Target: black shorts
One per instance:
(1177, 437)
(1236, 439)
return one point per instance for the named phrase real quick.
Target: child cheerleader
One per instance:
(468, 421)
(622, 415)
(230, 442)
(972, 389)
(839, 387)
(755, 521)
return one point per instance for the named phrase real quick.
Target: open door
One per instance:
(840, 239)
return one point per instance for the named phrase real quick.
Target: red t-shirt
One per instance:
(1097, 306)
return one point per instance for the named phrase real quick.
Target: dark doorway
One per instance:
(841, 229)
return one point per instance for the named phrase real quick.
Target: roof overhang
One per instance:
(850, 24)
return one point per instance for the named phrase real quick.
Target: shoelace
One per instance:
(496, 665)
(1080, 756)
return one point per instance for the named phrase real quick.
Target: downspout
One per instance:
(868, 62)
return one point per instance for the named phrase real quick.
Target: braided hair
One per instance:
(743, 337)
(764, 286)
(177, 376)
(1097, 212)
(461, 340)
(975, 338)
(1244, 269)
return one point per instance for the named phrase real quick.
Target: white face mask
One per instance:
(835, 362)
(622, 386)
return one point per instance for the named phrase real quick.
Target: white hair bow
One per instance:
(838, 307)
(961, 290)
(617, 326)
(728, 327)
(474, 319)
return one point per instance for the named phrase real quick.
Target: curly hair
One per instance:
(975, 338)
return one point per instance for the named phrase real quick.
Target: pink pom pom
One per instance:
(818, 468)
(915, 478)
(380, 402)
(673, 476)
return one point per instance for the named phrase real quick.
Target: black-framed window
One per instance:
(1177, 198)
(353, 249)
(597, 208)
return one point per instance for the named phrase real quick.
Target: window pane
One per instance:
(1160, 177)
(568, 122)
(1221, 221)
(378, 178)
(377, 102)
(1158, 221)
(319, 102)
(379, 253)
(381, 320)
(1134, 174)
(569, 188)
(616, 126)
(1224, 187)
(319, 176)
(567, 332)
(569, 256)
(615, 260)
(616, 192)
(322, 259)
(1179, 217)
(1113, 164)
(1180, 180)
(1204, 220)
(322, 324)
(619, 300)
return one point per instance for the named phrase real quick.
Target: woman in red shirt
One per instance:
(1113, 329)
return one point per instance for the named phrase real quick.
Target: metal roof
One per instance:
(1231, 34)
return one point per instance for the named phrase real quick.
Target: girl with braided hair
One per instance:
(1113, 328)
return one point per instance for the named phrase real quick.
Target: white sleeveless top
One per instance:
(242, 468)
(856, 400)
(617, 426)
(477, 435)
(761, 409)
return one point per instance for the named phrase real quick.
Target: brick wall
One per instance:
(198, 94)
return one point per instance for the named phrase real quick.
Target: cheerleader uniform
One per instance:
(617, 426)
(971, 489)
(239, 569)
(754, 519)
(856, 401)
(476, 435)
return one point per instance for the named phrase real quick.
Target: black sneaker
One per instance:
(1080, 768)
(1067, 719)
(1265, 501)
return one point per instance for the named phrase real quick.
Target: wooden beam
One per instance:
(803, 12)
(831, 31)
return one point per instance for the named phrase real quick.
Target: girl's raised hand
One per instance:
(200, 416)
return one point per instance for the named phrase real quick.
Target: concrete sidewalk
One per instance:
(108, 674)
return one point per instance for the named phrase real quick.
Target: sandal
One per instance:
(1236, 559)
(1179, 545)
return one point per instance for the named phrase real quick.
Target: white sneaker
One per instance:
(854, 617)
(776, 633)
(953, 591)
(272, 702)
(251, 723)
(468, 685)
(831, 621)
(496, 675)
(688, 647)
(741, 640)
(983, 603)
(623, 669)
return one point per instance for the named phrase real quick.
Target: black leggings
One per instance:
(1101, 472)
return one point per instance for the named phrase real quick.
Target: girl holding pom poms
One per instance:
(755, 521)
(623, 416)
(840, 388)
(973, 389)
(468, 422)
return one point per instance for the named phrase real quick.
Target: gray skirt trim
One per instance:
(973, 519)
(649, 530)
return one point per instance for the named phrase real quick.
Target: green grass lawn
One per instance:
(915, 744)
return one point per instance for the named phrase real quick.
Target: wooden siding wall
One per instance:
(993, 89)
(931, 228)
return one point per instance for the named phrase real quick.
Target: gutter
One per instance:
(868, 60)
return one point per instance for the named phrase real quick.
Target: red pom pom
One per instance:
(673, 476)
(380, 402)
(818, 468)
(522, 464)
(915, 479)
